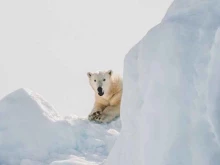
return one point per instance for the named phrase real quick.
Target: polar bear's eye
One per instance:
(95, 80)
(103, 79)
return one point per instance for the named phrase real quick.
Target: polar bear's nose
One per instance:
(99, 89)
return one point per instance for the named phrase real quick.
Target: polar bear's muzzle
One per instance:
(100, 91)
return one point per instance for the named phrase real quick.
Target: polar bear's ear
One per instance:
(89, 74)
(110, 72)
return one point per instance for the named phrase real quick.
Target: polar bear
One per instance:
(108, 92)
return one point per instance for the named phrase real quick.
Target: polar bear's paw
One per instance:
(95, 115)
(100, 117)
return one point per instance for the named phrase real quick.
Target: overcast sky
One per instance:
(49, 46)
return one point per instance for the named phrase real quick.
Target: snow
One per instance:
(169, 112)
(32, 133)
(170, 106)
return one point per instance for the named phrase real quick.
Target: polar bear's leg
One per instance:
(109, 113)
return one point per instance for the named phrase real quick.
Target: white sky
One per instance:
(49, 46)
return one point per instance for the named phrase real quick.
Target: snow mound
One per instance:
(171, 81)
(32, 133)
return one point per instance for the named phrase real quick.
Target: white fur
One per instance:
(107, 102)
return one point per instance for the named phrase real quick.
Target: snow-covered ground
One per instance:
(32, 133)
(170, 107)
(170, 110)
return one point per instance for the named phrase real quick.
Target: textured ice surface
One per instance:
(32, 133)
(170, 106)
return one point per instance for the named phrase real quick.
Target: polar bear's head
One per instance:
(100, 81)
